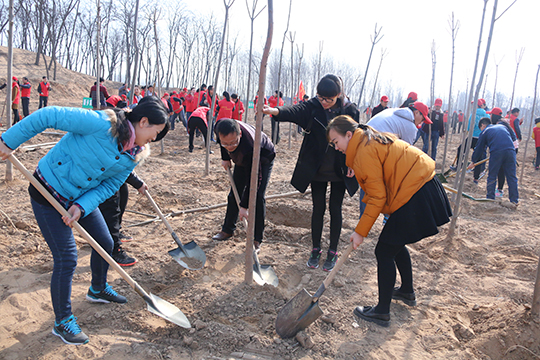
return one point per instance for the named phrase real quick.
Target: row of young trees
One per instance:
(178, 48)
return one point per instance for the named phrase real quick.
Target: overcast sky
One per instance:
(409, 28)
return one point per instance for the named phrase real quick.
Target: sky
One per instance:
(408, 30)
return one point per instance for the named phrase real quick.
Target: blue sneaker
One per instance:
(499, 193)
(69, 331)
(330, 261)
(105, 296)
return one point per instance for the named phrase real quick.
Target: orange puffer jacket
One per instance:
(389, 174)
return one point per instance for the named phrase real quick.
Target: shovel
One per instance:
(190, 256)
(154, 304)
(465, 195)
(262, 274)
(303, 309)
(443, 178)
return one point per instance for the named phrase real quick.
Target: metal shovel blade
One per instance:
(190, 256)
(263, 274)
(167, 311)
(297, 314)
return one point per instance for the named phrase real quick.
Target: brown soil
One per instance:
(474, 291)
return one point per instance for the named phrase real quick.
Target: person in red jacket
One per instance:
(238, 107)
(25, 96)
(115, 100)
(226, 107)
(178, 108)
(273, 102)
(16, 99)
(190, 102)
(198, 121)
(43, 89)
(199, 95)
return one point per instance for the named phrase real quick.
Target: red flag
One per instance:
(301, 92)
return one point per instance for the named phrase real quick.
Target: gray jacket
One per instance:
(396, 121)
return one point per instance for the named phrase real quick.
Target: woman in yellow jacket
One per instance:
(399, 180)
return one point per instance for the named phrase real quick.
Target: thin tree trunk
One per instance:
(275, 132)
(530, 129)
(518, 60)
(9, 166)
(454, 27)
(228, 4)
(465, 150)
(136, 52)
(374, 41)
(257, 148)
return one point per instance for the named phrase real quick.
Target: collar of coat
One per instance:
(138, 157)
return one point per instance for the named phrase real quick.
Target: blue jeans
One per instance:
(60, 239)
(505, 160)
(434, 143)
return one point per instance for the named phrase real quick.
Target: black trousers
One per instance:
(388, 257)
(193, 124)
(112, 210)
(241, 179)
(318, 196)
(43, 101)
(25, 106)
(16, 117)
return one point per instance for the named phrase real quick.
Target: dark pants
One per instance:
(60, 239)
(478, 169)
(537, 157)
(275, 131)
(241, 179)
(318, 196)
(196, 123)
(434, 143)
(25, 106)
(16, 117)
(388, 257)
(112, 210)
(505, 160)
(43, 101)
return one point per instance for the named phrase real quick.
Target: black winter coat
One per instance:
(311, 116)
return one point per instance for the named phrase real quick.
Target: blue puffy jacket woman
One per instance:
(86, 167)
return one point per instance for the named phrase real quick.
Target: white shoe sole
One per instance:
(96, 300)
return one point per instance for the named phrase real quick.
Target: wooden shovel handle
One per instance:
(79, 228)
(336, 268)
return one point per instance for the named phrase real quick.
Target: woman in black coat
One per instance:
(318, 163)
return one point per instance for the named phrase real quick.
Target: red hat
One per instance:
(438, 102)
(185, 89)
(15, 78)
(495, 111)
(384, 98)
(481, 102)
(124, 96)
(423, 110)
(413, 96)
(174, 92)
(166, 94)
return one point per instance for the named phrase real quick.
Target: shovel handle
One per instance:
(79, 228)
(164, 220)
(336, 268)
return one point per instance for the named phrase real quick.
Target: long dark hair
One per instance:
(150, 107)
(343, 123)
(227, 96)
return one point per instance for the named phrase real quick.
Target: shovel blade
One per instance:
(168, 311)
(192, 257)
(297, 314)
(264, 274)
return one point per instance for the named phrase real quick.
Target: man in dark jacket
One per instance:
(437, 130)
(502, 155)
(237, 143)
(382, 106)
